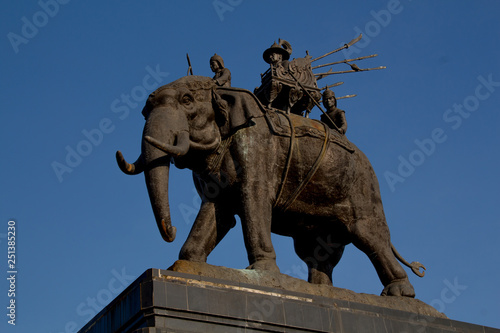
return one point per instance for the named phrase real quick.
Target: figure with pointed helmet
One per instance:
(278, 54)
(222, 75)
(334, 114)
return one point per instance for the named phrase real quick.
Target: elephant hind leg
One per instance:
(320, 254)
(372, 236)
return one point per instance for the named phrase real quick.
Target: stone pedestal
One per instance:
(179, 301)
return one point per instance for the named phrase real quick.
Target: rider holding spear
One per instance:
(334, 117)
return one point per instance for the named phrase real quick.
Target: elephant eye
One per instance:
(187, 99)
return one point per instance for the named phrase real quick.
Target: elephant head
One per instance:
(185, 121)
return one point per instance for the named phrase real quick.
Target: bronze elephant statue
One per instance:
(279, 173)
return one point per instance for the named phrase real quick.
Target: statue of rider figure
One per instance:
(222, 75)
(277, 56)
(334, 113)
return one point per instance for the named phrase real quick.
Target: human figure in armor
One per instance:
(277, 57)
(222, 75)
(334, 113)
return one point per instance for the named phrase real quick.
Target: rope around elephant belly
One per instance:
(288, 160)
(311, 173)
(309, 176)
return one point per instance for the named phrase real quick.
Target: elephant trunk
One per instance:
(157, 185)
(166, 135)
(130, 169)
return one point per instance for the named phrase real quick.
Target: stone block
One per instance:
(224, 300)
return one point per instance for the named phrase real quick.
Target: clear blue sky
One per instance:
(83, 235)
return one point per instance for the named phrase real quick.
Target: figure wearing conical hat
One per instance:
(278, 54)
(222, 75)
(335, 114)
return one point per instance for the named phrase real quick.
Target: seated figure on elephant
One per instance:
(334, 117)
(222, 75)
(284, 82)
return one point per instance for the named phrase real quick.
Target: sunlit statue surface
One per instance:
(258, 156)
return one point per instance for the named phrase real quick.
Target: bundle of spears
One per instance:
(354, 67)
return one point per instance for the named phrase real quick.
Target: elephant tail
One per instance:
(415, 265)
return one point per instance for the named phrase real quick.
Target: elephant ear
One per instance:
(234, 109)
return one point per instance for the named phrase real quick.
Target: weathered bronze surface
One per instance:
(222, 75)
(255, 156)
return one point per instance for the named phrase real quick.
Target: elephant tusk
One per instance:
(181, 148)
(130, 169)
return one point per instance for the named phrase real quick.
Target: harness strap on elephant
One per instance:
(288, 160)
(288, 202)
(214, 161)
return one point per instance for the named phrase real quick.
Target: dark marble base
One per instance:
(162, 301)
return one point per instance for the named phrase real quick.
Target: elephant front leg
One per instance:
(256, 224)
(210, 226)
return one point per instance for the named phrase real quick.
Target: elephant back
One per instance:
(281, 124)
(192, 82)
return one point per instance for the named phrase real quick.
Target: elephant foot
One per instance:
(265, 265)
(399, 288)
(319, 277)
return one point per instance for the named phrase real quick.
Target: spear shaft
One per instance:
(352, 42)
(342, 97)
(333, 85)
(347, 96)
(345, 61)
(190, 69)
(322, 75)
